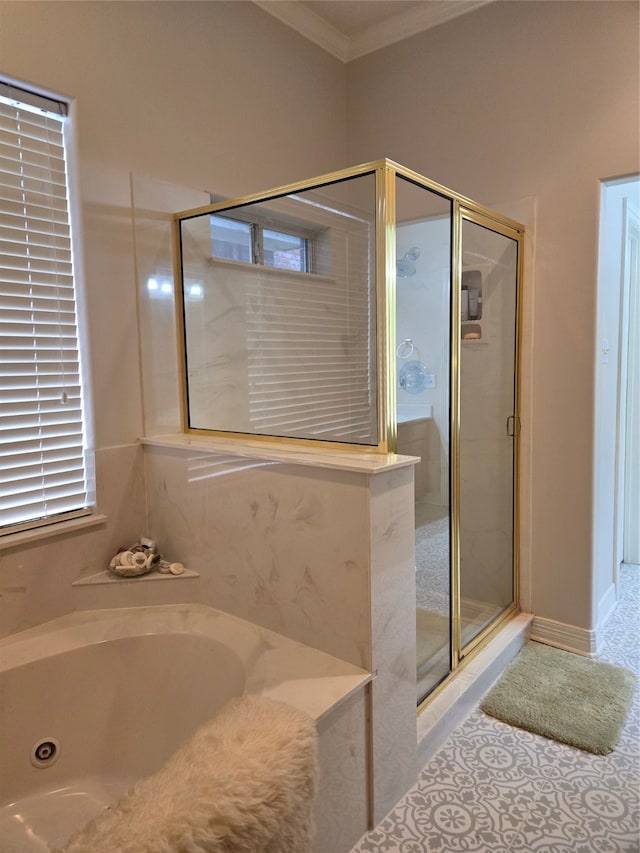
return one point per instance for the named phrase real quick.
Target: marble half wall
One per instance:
(325, 556)
(393, 638)
(284, 546)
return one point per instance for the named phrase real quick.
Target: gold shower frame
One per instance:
(462, 208)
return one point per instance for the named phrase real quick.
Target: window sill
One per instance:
(263, 269)
(36, 534)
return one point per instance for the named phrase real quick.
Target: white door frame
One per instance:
(627, 500)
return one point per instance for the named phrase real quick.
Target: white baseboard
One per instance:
(568, 637)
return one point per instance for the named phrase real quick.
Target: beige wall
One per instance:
(216, 96)
(523, 99)
(515, 100)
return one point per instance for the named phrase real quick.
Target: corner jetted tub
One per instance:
(94, 701)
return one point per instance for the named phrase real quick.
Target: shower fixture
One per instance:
(405, 265)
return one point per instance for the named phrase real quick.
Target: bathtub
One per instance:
(95, 700)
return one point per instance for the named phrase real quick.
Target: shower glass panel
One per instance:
(423, 297)
(279, 315)
(373, 310)
(487, 426)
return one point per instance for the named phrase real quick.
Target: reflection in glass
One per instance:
(280, 340)
(423, 293)
(285, 251)
(487, 400)
(230, 239)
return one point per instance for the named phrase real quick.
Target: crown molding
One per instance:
(374, 37)
(408, 24)
(308, 24)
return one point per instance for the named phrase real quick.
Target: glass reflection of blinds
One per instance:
(42, 470)
(309, 355)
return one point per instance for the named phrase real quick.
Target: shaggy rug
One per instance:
(245, 782)
(563, 696)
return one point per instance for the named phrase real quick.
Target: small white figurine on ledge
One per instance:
(140, 559)
(170, 568)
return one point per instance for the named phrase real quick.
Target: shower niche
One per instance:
(372, 310)
(471, 305)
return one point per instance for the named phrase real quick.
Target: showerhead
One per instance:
(405, 266)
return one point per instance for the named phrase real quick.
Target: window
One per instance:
(250, 242)
(43, 475)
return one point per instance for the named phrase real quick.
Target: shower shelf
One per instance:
(472, 327)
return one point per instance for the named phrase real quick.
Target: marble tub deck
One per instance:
(274, 665)
(217, 654)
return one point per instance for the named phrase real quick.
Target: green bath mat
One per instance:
(563, 696)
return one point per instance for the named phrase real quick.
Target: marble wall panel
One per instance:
(413, 440)
(137, 592)
(154, 202)
(342, 807)
(216, 333)
(486, 453)
(393, 637)
(281, 545)
(36, 578)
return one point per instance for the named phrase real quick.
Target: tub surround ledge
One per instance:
(274, 665)
(107, 577)
(361, 462)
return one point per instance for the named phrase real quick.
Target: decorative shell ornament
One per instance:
(138, 560)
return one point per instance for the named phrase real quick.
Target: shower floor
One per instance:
(433, 599)
(47, 819)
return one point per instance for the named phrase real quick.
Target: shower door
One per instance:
(488, 427)
(457, 273)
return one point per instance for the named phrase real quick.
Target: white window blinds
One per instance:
(42, 448)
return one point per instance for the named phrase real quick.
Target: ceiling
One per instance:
(352, 28)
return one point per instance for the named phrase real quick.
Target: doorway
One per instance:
(616, 511)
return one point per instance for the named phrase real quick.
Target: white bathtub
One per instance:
(118, 690)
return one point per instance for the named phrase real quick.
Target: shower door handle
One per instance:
(513, 426)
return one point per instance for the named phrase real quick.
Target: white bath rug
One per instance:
(244, 782)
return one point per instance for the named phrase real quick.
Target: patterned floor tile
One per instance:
(492, 788)
(586, 805)
(494, 751)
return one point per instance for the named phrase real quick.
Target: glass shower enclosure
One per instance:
(373, 310)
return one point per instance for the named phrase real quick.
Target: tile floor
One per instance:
(492, 788)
